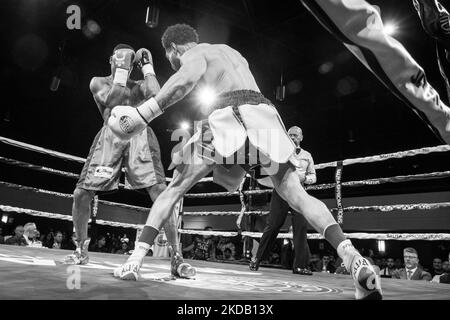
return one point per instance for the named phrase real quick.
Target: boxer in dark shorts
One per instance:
(241, 116)
(139, 156)
(435, 20)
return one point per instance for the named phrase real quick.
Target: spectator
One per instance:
(30, 235)
(326, 264)
(314, 262)
(225, 243)
(204, 248)
(383, 263)
(57, 240)
(274, 258)
(100, 246)
(446, 266)
(377, 262)
(124, 248)
(228, 254)
(437, 267)
(17, 239)
(444, 277)
(412, 270)
(70, 244)
(64, 237)
(48, 242)
(114, 243)
(390, 268)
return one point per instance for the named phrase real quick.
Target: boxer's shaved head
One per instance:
(179, 34)
(122, 46)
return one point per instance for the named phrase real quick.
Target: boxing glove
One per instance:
(122, 61)
(144, 62)
(126, 122)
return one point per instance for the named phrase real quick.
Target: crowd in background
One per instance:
(216, 248)
(29, 235)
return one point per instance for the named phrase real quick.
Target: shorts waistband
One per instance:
(240, 97)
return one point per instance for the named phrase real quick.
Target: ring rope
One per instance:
(39, 168)
(400, 207)
(385, 208)
(381, 157)
(359, 235)
(387, 156)
(358, 183)
(314, 236)
(376, 181)
(192, 195)
(44, 169)
(56, 154)
(223, 213)
(67, 195)
(59, 216)
(31, 147)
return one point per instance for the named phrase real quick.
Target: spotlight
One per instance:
(152, 15)
(326, 67)
(381, 246)
(390, 28)
(56, 80)
(206, 96)
(185, 125)
(280, 93)
(5, 218)
(91, 29)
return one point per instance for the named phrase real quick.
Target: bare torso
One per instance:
(227, 69)
(132, 95)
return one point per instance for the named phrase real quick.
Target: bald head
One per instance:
(19, 231)
(296, 134)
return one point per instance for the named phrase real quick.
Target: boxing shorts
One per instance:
(244, 131)
(140, 157)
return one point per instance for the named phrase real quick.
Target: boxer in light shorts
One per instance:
(243, 125)
(140, 156)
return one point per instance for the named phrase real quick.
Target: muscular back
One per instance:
(226, 69)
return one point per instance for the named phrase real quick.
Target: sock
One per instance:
(347, 252)
(140, 251)
(333, 234)
(149, 235)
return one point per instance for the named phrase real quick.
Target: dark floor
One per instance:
(36, 274)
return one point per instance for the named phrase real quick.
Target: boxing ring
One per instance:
(36, 273)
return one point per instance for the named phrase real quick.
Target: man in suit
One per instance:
(17, 239)
(412, 270)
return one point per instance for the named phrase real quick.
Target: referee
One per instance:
(279, 208)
